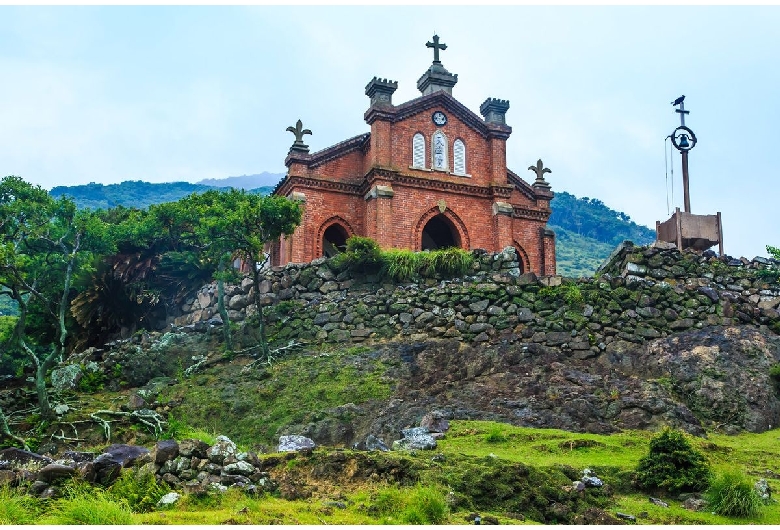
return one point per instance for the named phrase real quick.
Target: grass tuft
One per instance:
(732, 495)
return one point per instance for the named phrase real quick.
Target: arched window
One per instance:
(418, 151)
(459, 157)
(439, 149)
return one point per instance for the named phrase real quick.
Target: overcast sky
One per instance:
(162, 94)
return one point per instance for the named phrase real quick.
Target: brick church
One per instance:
(430, 174)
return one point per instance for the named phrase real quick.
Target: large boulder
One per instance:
(127, 454)
(193, 447)
(13, 458)
(435, 421)
(415, 438)
(294, 442)
(105, 469)
(55, 472)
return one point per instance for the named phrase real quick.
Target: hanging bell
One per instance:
(684, 141)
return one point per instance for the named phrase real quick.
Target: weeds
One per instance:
(364, 254)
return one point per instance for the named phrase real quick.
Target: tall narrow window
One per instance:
(459, 157)
(418, 151)
(439, 151)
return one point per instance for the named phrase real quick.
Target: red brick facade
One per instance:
(367, 186)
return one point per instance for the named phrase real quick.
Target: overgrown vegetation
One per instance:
(363, 254)
(673, 465)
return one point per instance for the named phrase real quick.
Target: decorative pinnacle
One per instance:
(436, 47)
(540, 170)
(299, 131)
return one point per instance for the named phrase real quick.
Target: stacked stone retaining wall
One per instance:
(640, 293)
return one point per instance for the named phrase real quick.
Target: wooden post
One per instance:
(686, 194)
(678, 218)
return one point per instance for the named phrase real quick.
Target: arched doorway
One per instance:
(439, 232)
(334, 240)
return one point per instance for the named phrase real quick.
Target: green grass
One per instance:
(17, 509)
(83, 505)
(614, 457)
(494, 469)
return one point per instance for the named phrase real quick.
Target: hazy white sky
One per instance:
(107, 94)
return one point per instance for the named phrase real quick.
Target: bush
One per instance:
(774, 372)
(732, 495)
(403, 265)
(673, 465)
(362, 254)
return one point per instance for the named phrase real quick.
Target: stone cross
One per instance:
(540, 170)
(298, 131)
(436, 47)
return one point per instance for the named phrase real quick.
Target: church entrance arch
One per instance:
(439, 232)
(334, 240)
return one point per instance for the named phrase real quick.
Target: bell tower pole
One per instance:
(686, 194)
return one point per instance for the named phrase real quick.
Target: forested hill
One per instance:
(132, 193)
(587, 230)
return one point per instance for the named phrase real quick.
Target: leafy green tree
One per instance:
(45, 243)
(254, 222)
(773, 251)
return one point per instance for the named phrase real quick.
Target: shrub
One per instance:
(774, 372)
(732, 495)
(452, 261)
(402, 265)
(362, 254)
(673, 465)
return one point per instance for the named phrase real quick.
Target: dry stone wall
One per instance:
(640, 293)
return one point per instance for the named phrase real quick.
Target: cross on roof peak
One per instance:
(436, 47)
